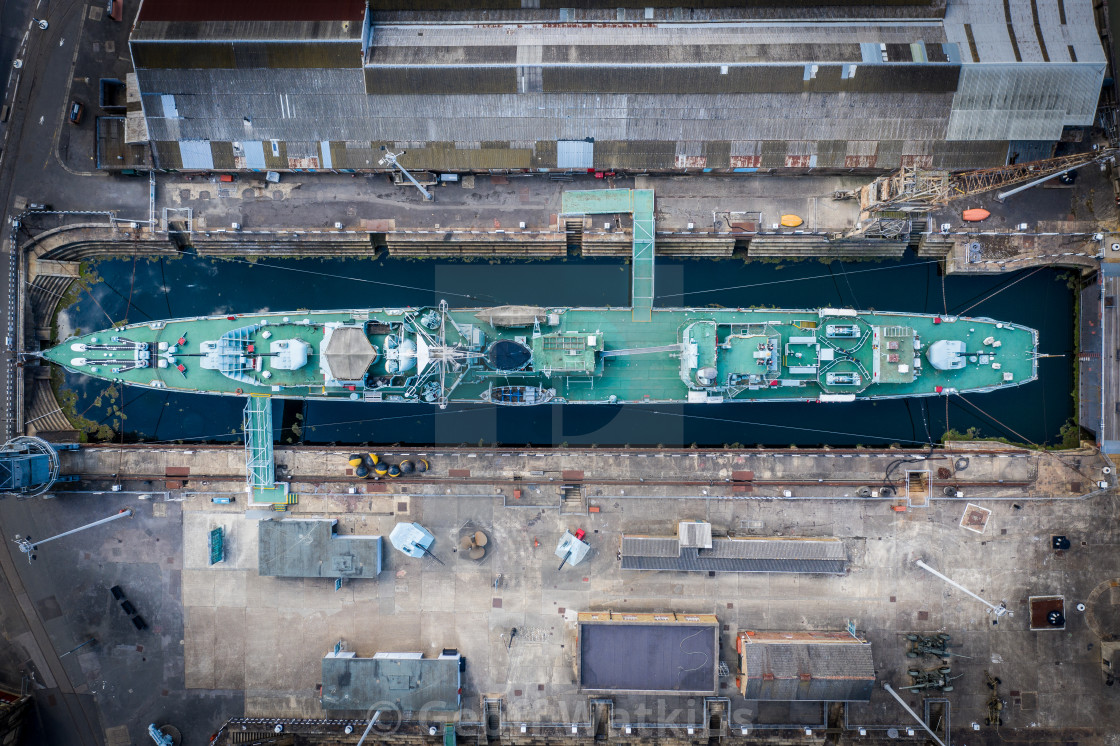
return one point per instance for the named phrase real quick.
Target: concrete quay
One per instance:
(585, 478)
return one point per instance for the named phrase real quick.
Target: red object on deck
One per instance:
(773, 383)
(598, 174)
(898, 508)
(249, 349)
(181, 368)
(580, 533)
(937, 319)
(182, 341)
(593, 509)
(225, 177)
(938, 389)
(231, 318)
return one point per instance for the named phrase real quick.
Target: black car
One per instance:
(76, 112)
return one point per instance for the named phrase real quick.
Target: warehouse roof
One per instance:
(666, 657)
(405, 680)
(310, 548)
(794, 555)
(637, 44)
(1021, 31)
(251, 10)
(806, 667)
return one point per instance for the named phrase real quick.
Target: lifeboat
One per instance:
(518, 396)
(791, 221)
(975, 215)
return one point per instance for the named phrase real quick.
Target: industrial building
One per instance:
(408, 682)
(313, 548)
(805, 666)
(630, 653)
(694, 549)
(298, 86)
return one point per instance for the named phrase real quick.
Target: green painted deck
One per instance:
(636, 202)
(596, 355)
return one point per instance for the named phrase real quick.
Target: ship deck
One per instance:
(639, 361)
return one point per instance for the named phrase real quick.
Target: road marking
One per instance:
(40, 120)
(61, 42)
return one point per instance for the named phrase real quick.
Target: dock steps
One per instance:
(572, 500)
(492, 721)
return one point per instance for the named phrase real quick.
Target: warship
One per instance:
(527, 355)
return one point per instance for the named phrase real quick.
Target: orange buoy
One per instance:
(975, 215)
(791, 221)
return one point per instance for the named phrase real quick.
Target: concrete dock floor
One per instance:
(225, 642)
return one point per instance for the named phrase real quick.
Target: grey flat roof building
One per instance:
(740, 554)
(954, 84)
(407, 681)
(311, 548)
(648, 653)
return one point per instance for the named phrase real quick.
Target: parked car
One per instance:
(76, 112)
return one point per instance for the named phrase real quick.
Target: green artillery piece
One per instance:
(937, 645)
(934, 679)
(995, 704)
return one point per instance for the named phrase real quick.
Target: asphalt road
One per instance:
(38, 94)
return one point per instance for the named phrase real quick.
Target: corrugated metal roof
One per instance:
(1061, 25)
(697, 11)
(1023, 102)
(808, 672)
(196, 154)
(735, 555)
(331, 105)
(726, 38)
(252, 10)
(216, 54)
(575, 154)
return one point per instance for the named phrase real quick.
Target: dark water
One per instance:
(193, 286)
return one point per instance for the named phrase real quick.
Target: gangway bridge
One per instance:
(639, 204)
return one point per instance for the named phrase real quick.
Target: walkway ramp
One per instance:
(260, 469)
(639, 204)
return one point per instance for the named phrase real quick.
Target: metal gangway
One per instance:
(639, 204)
(260, 468)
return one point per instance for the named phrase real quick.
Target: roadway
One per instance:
(1110, 360)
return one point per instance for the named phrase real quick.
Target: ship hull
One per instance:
(577, 355)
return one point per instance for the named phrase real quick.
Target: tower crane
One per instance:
(912, 190)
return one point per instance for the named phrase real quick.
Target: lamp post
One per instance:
(999, 611)
(28, 546)
(390, 159)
